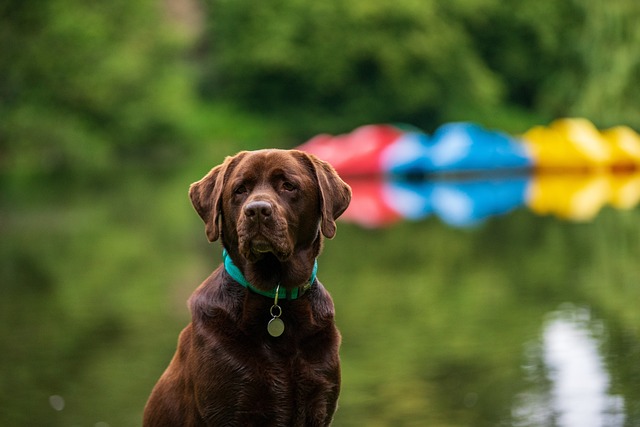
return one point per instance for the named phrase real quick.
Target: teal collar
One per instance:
(237, 275)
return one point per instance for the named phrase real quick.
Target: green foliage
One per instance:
(84, 82)
(330, 66)
(356, 61)
(599, 75)
(86, 86)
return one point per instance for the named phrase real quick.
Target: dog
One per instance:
(262, 345)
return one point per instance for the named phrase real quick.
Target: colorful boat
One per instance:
(569, 169)
(456, 148)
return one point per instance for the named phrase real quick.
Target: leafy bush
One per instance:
(332, 65)
(86, 85)
(353, 61)
(83, 82)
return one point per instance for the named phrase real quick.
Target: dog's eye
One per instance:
(288, 186)
(240, 189)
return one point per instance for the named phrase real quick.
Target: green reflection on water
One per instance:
(441, 327)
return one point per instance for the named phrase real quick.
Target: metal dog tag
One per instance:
(275, 327)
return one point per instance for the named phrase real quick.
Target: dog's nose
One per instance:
(259, 209)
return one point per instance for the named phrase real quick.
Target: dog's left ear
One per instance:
(335, 194)
(206, 197)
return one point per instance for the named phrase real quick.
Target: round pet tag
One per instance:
(275, 327)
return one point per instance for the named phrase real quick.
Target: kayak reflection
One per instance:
(464, 173)
(466, 201)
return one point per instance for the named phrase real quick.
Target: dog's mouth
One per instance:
(258, 248)
(257, 241)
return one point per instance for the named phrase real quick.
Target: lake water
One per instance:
(508, 301)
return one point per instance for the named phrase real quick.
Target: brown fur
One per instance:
(270, 208)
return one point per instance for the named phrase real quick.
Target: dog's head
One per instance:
(270, 208)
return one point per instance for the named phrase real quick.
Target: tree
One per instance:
(83, 82)
(351, 61)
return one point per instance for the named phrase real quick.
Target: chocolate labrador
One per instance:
(262, 345)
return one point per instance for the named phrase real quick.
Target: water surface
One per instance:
(522, 317)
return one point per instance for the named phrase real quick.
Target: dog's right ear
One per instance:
(206, 197)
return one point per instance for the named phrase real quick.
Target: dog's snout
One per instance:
(258, 209)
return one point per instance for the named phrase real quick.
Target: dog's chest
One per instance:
(277, 384)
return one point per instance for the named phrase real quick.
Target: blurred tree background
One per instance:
(108, 110)
(86, 86)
